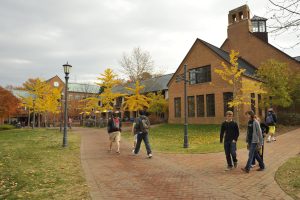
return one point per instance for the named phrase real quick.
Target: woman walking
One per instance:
(254, 141)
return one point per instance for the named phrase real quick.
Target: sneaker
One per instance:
(252, 166)
(149, 155)
(118, 152)
(235, 164)
(245, 170)
(228, 168)
(273, 139)
(134, 154)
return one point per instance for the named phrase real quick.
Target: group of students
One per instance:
(256, 130)
(140, 131)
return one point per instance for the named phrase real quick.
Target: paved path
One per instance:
(179, 176)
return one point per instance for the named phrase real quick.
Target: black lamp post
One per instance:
(61, 111)
(33, 120)
(67, 68)
(186, 142)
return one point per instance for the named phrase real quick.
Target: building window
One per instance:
(200, 105)
(210, 105)
(200, 75)
(177, 106)
(258, 26)
(227, 97)
(259, 104)
(253, 102)
(191, 106)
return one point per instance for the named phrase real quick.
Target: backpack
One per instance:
(269, 119)
(143, 125)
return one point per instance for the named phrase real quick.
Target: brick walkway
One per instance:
(179, 176)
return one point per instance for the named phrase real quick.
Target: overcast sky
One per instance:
(38, 36)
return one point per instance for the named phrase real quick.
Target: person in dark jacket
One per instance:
(231, 130)
(271, 120)
(142, 125)
(114, 125)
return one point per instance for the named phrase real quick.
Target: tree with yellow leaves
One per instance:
(46, 97)
(108, 80)
(241, 87)
(136, 101)
(158, 104)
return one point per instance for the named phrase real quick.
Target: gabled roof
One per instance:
(21, 93)
(53, 78)
(257, 18)
(151, 85)
(297, 58)
(83, 88)
(250, 69)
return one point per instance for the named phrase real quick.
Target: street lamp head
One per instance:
(67, 68)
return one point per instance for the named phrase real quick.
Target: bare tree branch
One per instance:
(136, 64)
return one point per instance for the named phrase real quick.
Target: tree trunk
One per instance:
(39, 120)
(28, 121)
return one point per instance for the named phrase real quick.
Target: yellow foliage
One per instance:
(137, 101)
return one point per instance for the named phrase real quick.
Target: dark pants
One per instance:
(254, 154)
(261, 154)
(230, 152)
(140, 137)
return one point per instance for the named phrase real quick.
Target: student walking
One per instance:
(142, 129)
(231, 130)
(254, 141)
(134, 133)
(264, 130)
(114, 130)
(271, 120)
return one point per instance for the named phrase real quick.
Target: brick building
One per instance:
(208, 94)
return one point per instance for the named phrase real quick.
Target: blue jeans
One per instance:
(230, 152)
(140, 137)
(254, 154)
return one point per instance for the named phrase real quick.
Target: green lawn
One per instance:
(288, 177)
(33, 165)
(168, 138)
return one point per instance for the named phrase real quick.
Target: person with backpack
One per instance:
(231, 130)
(114, 125)
(142, 125)
(271, 120)
(264, 130)
(254, 141)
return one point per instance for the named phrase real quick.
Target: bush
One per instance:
(289, 118)
(6, 127)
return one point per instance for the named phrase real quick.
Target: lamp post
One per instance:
(186, 142)
(61, 111)
(67, 68)
(33, 120)
(185, 79)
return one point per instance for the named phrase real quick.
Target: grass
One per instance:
(168, 138)
(288, 177)
(4, 127)
(33, 165)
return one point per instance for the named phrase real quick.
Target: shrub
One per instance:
(288, 118)
(6, 127)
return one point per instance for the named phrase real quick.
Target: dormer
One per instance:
(259, 27)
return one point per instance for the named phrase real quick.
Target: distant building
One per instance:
(208, 95)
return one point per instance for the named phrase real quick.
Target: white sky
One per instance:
(38, 37)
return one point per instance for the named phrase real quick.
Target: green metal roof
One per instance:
(83, 88)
